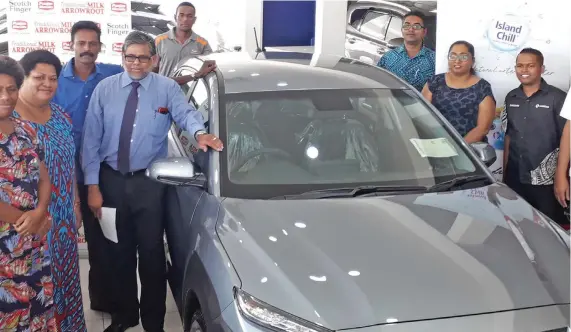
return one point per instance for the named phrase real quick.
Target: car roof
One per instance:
(276, 71)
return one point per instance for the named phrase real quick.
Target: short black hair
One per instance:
(85, 25)
(417, 14)
(12, 68)
(184, 4)
(31, 59)
(537, 53)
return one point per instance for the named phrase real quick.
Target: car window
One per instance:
(190, 85)
(395, 28)
(375, 24)
(199, 99)
(356, 17)
(288, 142)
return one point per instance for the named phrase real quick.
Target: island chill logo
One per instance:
(508, 33)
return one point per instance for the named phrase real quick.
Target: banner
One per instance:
(499, 30)
(46, 24)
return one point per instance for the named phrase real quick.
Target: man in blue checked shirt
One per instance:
(412, 61)
(126, 128)
(76, 83)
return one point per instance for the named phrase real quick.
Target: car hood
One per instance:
(346, 263)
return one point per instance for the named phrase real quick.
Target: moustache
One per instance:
(87, 53)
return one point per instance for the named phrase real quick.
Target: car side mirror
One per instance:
(175, 171)
(485, 152)
(395, 42)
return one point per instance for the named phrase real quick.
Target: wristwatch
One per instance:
(198, 133)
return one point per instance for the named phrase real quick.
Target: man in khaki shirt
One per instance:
(180, 43)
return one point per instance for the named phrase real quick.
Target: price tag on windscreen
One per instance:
(434, 148)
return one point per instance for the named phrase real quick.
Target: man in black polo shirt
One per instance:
(533, 133)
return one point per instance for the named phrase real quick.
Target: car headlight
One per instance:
(270, 317)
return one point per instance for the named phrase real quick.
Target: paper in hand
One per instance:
(108, 225)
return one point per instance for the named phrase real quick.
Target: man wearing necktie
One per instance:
(126, 128)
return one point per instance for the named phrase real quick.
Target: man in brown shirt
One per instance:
(180, 43)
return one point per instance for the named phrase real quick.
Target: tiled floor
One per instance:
(97, 321)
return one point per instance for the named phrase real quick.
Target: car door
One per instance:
(366, 37)
(182, 201)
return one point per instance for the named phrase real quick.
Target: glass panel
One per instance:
(294, 141)
(375, 24)
(395, 28)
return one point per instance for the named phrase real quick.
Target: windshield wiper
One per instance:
(457, 182)
(352, 192)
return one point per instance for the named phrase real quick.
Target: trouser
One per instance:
(541, 198)
(139, 219)
(99, 270)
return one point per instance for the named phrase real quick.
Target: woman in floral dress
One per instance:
(41, 70)
(26, 288)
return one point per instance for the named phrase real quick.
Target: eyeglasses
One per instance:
(461, 57)
(141, 58)
(415, 26)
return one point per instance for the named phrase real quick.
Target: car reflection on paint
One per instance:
(343, 201)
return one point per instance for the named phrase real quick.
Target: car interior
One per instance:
(328, 139)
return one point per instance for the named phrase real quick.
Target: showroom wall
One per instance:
(288, 23)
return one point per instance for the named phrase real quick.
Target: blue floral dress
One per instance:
(459, 106)
(57, 139)
(26, 287)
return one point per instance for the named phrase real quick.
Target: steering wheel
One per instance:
(253, 154)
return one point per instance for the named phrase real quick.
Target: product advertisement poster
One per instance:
(499, 30)
(46, 24)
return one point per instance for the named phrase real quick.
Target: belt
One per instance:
(128, 174)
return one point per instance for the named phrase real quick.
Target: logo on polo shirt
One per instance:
(514, 105)
(541, 106)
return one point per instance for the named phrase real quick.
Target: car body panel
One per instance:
(378, 258)
(543, 319)
(274, 71)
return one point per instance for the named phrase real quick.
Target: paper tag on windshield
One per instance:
(434, 148)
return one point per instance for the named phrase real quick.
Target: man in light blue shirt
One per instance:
(76, 83)
(126, 128)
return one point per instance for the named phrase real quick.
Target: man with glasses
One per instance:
(76, 83)
(126, 129)
(413, 62)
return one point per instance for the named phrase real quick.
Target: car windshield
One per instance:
(290, 142)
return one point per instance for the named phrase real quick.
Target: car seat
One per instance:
(281, 120)
(243, 136)
(341, 144)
